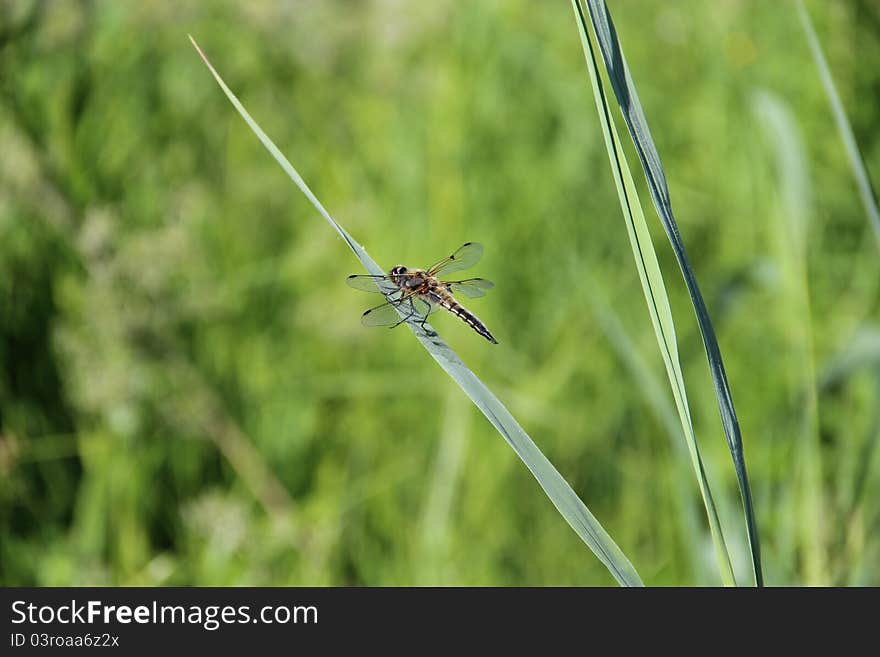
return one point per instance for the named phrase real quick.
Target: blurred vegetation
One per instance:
(187, 395)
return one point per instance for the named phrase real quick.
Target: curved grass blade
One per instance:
(557, 489)
(866, 191)
(655, 292)
(628, 99)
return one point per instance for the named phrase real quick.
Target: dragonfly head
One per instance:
(397, 272)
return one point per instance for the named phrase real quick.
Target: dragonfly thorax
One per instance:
(408, 278)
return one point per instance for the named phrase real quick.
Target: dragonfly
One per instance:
(413, 294)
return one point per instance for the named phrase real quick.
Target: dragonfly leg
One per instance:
(424, 323)
(412, 313)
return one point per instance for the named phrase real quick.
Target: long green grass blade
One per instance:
(654, 289)
(628, 99)
(866, 191)
(557, 489)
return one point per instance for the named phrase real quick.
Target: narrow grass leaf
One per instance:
(866, 191)
(654, 289)
(628, 99)
(557, 489)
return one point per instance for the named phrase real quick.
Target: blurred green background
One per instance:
(187, 395)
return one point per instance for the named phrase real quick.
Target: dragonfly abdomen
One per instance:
(450, 304)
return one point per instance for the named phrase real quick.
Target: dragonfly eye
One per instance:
(397, 271)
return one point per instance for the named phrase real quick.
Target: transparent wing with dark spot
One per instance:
(466, 257)
(471, 287)
(386, 314)
(369, 283)
(383, 315)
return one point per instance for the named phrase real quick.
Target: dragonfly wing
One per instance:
(471, 287)
(370, 283)
(387, 314)
(383, 315)
(465, 257)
